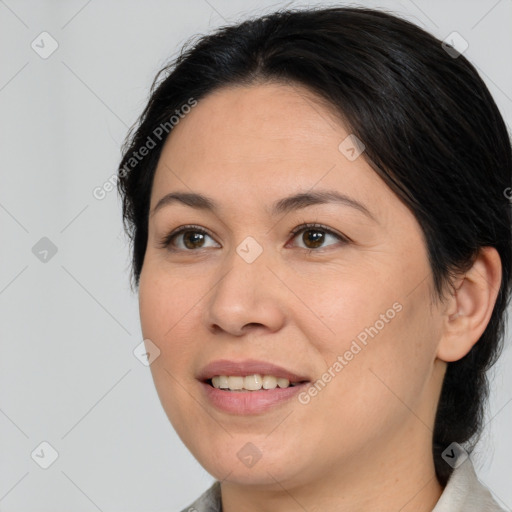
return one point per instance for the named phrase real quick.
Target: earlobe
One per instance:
(469, 309)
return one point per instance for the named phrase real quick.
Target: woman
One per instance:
(322, 250)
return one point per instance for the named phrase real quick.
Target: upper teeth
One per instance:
(250, 382)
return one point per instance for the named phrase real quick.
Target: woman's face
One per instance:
(346, 305)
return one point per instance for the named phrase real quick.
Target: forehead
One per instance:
(259, 143)
(257, 122)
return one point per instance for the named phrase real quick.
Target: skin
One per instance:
(364, 442)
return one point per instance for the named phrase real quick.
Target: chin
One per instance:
(240, 462)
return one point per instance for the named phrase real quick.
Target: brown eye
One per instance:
(193, 239)
(186, 238)
(314, 236)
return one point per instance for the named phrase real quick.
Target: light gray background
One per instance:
(69, 325)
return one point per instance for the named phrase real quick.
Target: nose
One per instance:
(246, 296)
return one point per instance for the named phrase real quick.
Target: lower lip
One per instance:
(249, 402)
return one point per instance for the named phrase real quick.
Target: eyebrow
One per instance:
(281, 206)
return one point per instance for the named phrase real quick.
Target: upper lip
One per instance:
(247, 367)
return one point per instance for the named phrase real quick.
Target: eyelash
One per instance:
(165, 242)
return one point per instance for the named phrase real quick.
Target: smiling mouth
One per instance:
(254, 382)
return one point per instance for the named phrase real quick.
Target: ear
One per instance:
(468, 310)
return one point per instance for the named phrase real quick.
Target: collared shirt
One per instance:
(463, 493)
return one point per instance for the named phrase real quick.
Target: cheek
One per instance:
(382, 363)
(376, 338)
(342, 302)
(167, 302)
(168, 309)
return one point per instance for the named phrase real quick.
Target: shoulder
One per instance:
(465, 493)
(209, 501)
